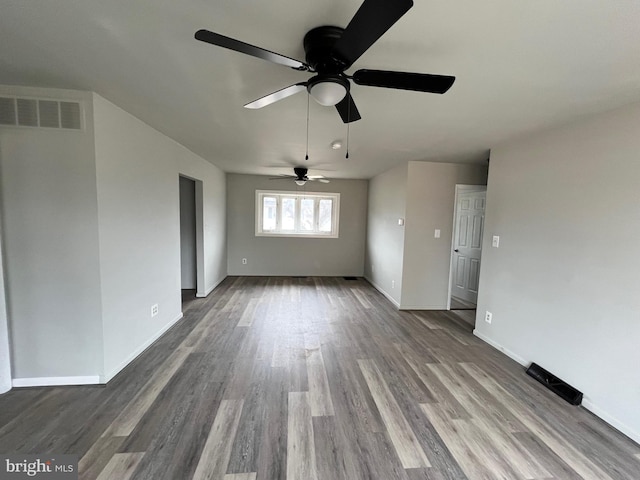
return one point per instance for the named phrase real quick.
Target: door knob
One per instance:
(456, 250)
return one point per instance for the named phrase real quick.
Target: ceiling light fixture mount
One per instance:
(336, 145)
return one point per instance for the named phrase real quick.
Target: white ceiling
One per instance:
(520, 66)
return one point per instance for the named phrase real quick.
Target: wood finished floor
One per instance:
(468, 316)
(316, 379)
(461, 304)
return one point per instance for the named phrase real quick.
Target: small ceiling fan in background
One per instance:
(301, 177)
(329, 51)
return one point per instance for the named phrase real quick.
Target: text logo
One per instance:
(40, 467)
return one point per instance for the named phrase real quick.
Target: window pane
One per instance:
(268, 213)
(288, 213)
(306, 214)
(324, 211)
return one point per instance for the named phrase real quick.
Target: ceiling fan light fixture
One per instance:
(328, 90)
(300, 182)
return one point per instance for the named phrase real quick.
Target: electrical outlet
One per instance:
(436, 234)
(154, 310)
(393, 284)
(488, 316)
(244, 261)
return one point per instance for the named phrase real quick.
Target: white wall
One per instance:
(188, 233)
(563, 286)
(90, 227)
(385, 238)
(430, 205)
(5, 352)
(295, 256)
(138, 172)
(211, 187)
(50, 231)
(406, 263)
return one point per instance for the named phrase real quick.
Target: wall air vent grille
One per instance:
(27, 112)
(7, 111)
(49, 113)
(43, 113)
(70, 115)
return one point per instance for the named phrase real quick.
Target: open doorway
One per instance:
(466, 251)
(191, 240)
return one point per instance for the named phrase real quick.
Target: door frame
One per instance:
(460, 188)
(199, 197)
(6, 347)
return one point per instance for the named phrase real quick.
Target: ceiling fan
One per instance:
(329, 51)
(301, 177)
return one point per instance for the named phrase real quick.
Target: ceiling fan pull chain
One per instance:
(348, 124)
(306, 157)
(347, 155)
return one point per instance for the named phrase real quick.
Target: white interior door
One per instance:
(467, 244)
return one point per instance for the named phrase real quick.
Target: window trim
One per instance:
(317, 196)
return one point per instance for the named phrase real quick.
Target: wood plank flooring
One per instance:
(461, 304)
(316, 379)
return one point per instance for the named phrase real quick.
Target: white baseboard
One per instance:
(614, 422)
(381, 290)
(497, 346)
(56, 381)
(140, 349)
(210, 289)
(423, 307)
(586, 403)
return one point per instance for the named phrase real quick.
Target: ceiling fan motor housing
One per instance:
(321, 57)
(318, 47)
(301, 173)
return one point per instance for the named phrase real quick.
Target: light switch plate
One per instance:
(495, 243)
(436, 234)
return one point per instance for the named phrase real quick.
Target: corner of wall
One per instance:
(138, 170)
(64, 330)
(5, 349)
(382, 291)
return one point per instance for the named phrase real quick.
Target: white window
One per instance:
(290, 214)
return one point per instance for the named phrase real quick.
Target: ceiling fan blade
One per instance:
(420, 82)
(314, 177)
(238, 46)
(321, 180)
(277, 95)
(280, 177)
(348, 110)
(371, 21)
